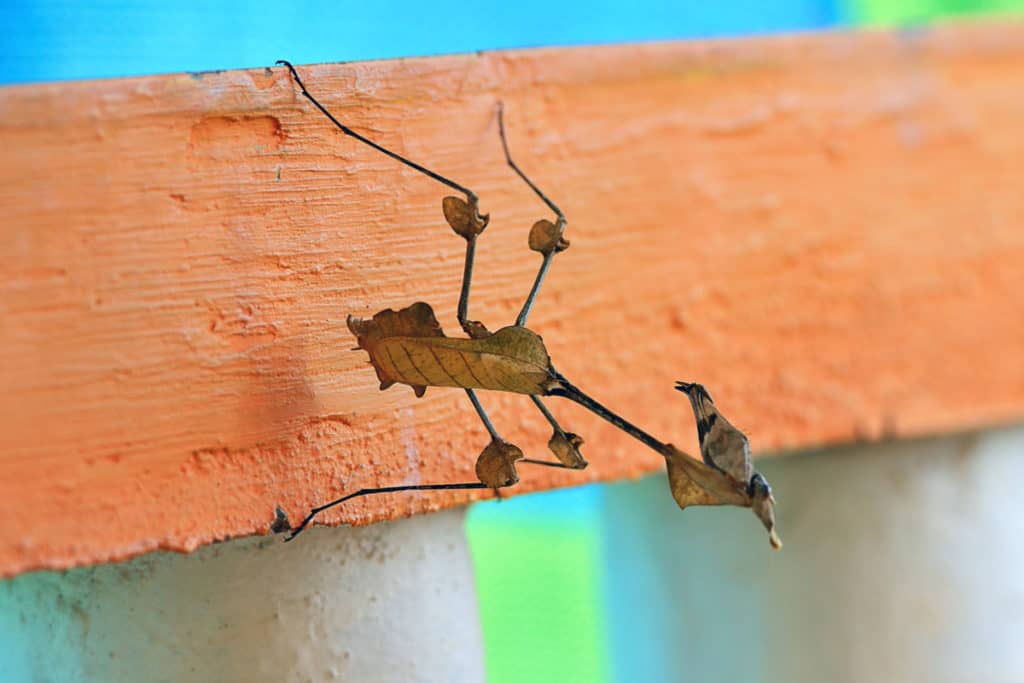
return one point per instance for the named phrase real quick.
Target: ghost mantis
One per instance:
(409, 347)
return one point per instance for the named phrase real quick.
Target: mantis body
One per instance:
(409, 347)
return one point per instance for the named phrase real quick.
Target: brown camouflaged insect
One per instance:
(409, 347)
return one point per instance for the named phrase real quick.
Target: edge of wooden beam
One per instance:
(823, 229)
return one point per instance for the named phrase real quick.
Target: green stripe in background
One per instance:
(903, 12)
(539, 569)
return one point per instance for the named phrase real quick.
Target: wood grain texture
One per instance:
(826, 230)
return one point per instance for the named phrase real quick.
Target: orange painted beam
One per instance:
(826, 230)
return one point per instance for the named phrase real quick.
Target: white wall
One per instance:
(390, 602)
(903, 562)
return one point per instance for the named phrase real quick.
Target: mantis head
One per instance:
(696, 392)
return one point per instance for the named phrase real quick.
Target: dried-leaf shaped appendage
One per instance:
(416, 321)
(566, 447)
(409, 346)
(496, 466)
(464, 217)
(695, 483)
(546, 237)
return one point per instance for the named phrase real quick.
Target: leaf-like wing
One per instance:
(417, 320)
(512, 359)
(413, 322)
(696, 483)
(409, 347)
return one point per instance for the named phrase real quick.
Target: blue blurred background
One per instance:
(46, 41)
(590, 560)
(67, 40)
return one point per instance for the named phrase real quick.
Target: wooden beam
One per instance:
(826, 230)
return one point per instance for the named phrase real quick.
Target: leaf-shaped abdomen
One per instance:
(512, 359)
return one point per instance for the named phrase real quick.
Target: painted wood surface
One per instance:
(826, 230)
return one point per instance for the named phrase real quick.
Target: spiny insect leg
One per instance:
(496, 465)
(547, 414)
(545, 236)
(464, 217)
(471, 327)
(383, 489)
(549, 463)
(528, 304)
(483, 415)
(496, 442)
(519, 171)
(470, 195)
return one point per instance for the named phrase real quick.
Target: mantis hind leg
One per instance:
(496, 466)
(483, 415)
(545, 236)
(495, 469)
(565, 445)
(374, 491)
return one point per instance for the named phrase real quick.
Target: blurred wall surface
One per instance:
(901, 563)
(388, 602)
